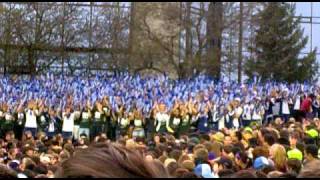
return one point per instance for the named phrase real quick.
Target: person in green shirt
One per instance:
(106, 116)
(186, 121)
(43, 118)
(85, 121)
(113, 124)
(123, 123)
(9, 120)
(77, 121)
(19, 122)
(97, 121)
(175, 122)
(2, 121)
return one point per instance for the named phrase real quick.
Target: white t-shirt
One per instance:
(256, 116)
(51, 127)
(222, 122)
(8, 117)
(247, 110)
(137, 122)
(162, 117)
(31, 119)
(285, 108)
(123, 121)
(297, 104)
(176, 121)
(68, 123)
(276, 108)
(97, 115)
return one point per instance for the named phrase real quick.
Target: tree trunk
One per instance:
(240, 43)
(214, 37)
(131, 35)
(188, 59)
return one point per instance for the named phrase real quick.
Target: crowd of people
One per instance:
(132, 126)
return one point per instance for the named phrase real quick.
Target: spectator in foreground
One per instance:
(310, 170)
(106, 160)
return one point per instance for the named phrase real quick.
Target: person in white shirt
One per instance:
(31, 118)
(247, 114)
(162, 119)
(285, 109)
(68, 124)
(257, 111)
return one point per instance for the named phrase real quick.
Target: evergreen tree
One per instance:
(277, 45)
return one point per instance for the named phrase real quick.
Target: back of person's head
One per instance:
(284, 133)
(7, 173)
(179, 172)
(217, 148)
(274, 174)
(269, 139)
(69, 148)
(289, 175)
(106, 160)
(227, 149)
(309, 140)
(244, 174)
(260, 151)
(300, 146)
(242, 157)
(189, 175)
(188, 164)
(261, 174)
(204, 137)
(29, 173)
(198, 146)
(225, 173)
(183, 158)
(201, 155)
(278, 155)
(310, 170)
(268, 169)
(175, 154)
(236, 149)
(294, 165)
(312, 150)
(28, 163)
(172, 167)
(163, 158)
(209, 146)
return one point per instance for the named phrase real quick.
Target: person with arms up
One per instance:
(68, 123)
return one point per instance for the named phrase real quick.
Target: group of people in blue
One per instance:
(140, 107)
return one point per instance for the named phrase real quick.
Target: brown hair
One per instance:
(198, 146)
(103, 160)
(260, 151)
(7, 173)
(180, 172)
(201, 154)
(294, 165)
(244, 174)
(183, 158)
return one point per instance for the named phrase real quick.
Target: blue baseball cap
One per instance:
(203, 170)
(260, 163)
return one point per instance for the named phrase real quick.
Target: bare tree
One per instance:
(214, 38)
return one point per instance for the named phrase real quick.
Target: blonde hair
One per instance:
(279, 157)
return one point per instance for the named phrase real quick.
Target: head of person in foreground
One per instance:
(107, 160)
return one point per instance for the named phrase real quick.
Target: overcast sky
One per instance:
(304, 9)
